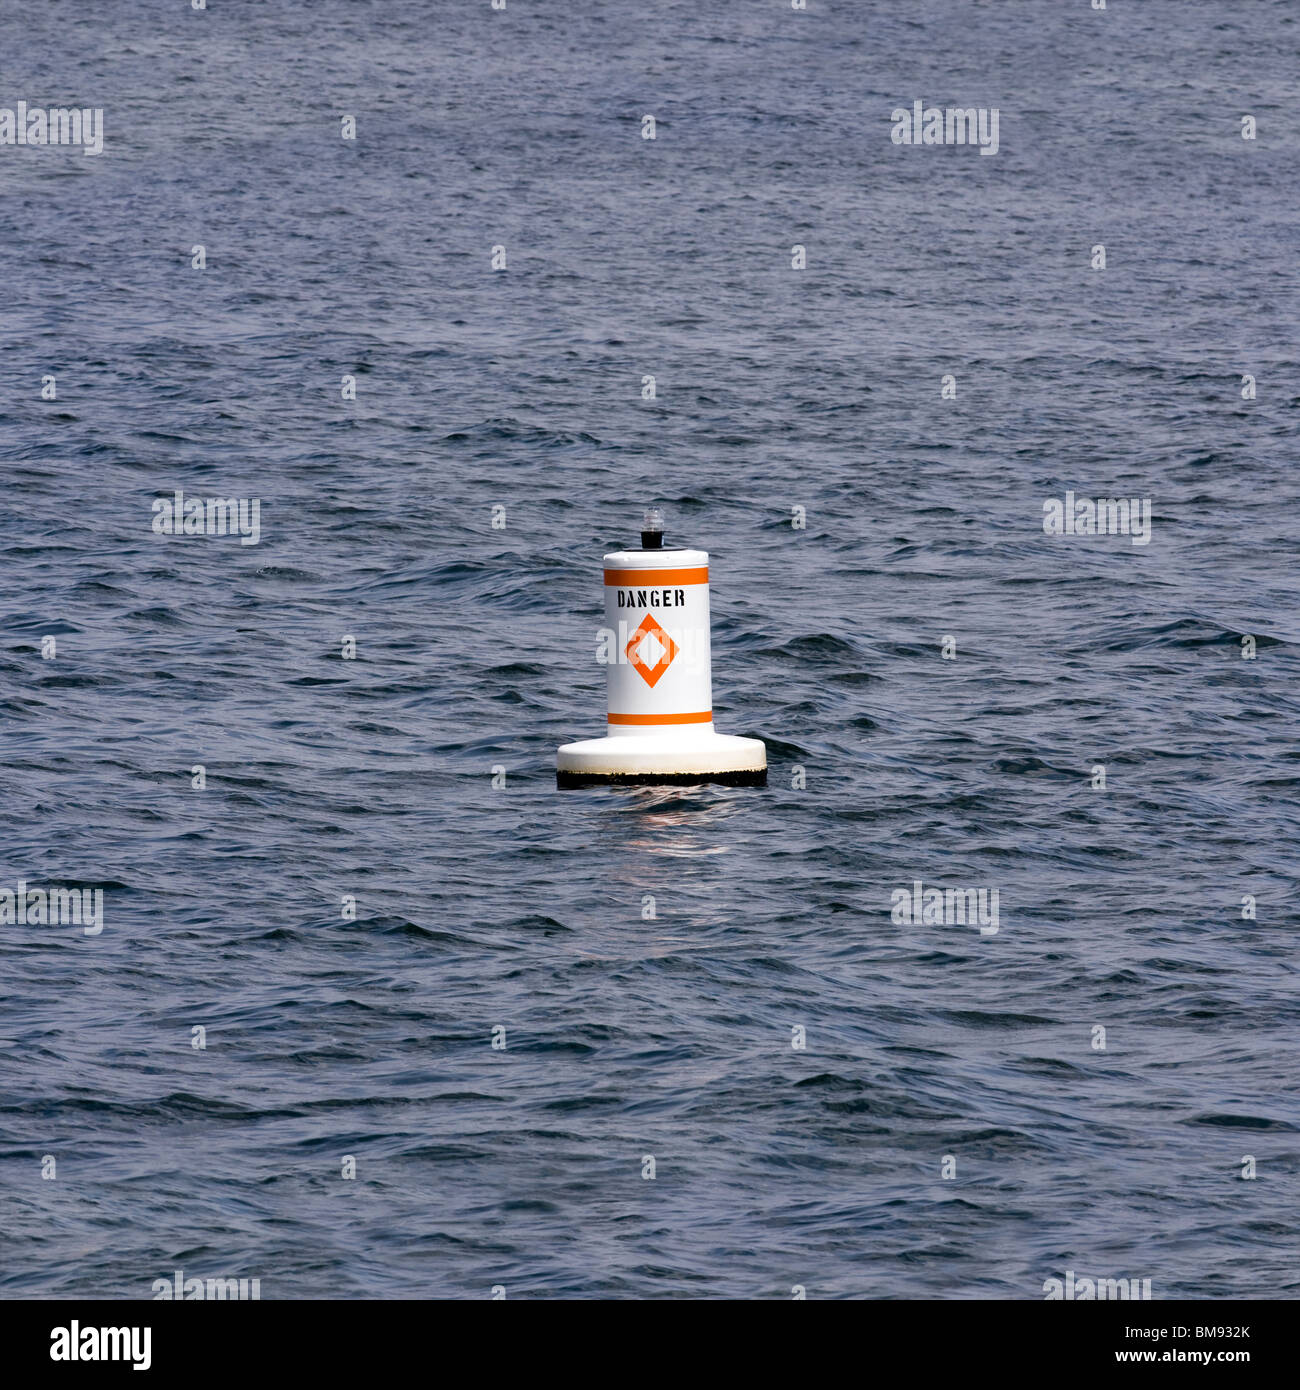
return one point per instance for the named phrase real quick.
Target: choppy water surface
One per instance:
(520, 907)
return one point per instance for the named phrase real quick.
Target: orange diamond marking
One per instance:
(667, 650)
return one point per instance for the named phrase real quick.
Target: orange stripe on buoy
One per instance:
(696, 576)
(705, 717)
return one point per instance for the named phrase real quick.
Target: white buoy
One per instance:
(660, 680)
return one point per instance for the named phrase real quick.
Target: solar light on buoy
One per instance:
(660, 680)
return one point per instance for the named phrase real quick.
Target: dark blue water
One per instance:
(519, 907)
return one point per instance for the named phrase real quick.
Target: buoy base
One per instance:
(680, 759)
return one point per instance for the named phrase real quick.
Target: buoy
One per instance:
(655, 645)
